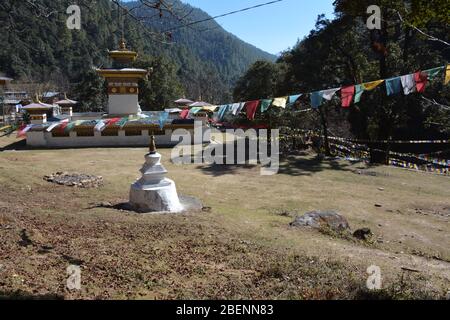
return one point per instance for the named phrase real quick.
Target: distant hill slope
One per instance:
(207, 40)
(37, 47)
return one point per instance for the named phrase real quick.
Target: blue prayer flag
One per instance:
(394, 86)
(163, 117)
(316, 99)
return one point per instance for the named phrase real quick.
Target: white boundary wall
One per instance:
(44, 139)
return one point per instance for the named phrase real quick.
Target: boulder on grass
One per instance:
(322, 219)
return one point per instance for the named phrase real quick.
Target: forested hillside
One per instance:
(38, 47)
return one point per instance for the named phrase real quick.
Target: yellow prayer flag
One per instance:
(210, 108)
(447, 75)
(280, 102)
(369, 86)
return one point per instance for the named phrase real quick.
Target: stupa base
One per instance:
(162, 197)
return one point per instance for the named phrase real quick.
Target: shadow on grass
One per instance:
(218, 170)
(22, 146)
(302, 165)
(21, 295)
(306, 166)
(18, 145)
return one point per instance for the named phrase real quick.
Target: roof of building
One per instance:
(38, 105)
(9, 101)
(173, 110)
(200, 104)
(50, 94)
(66, 101)
(184, 101)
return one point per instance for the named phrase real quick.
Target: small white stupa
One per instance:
(153, 192)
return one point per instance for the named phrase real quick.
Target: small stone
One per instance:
(105, 204)
(378, 205)
(381, 189)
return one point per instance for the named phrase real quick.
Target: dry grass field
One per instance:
(239, 246)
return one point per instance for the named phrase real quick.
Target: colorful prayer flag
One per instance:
(54, 125)
(433, 73)
(163, 117)
(265, 104)
(316, 99)
(70, 126)
(100, 126)
(369, 86)
(393, 86)
(280, 102)
(329, 94)
(294, 98)
(408, 83)
(347, 94)
(223, 110)
(447, 75)
(195, 110)
(23, 130)
(235, 108)
(421, 79)
(251, 108)
(122, 122)
(359, 90)
(184, 114)
(210, 108)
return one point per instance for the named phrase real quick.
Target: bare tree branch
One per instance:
(435, 103)
(430, 37)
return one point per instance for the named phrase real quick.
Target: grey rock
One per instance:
(75, 180)
(321, 219)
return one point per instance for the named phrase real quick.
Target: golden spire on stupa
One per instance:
(123, 45)
(123, 55)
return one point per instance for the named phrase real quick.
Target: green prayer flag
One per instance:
(70, 126)
(265, 104)
(433, 73)
(359, 90)
(122, 122)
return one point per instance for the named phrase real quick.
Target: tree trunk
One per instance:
(375, 155)
(325, 131)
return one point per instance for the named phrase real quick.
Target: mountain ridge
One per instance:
(40, 48)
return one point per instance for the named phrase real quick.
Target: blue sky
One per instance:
(273, 28)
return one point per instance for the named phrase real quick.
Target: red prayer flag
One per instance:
(20, 132)
(251, 108)
(421, 79)
(184, 114)
(63, 126)
(113, 121)
(347, 94)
